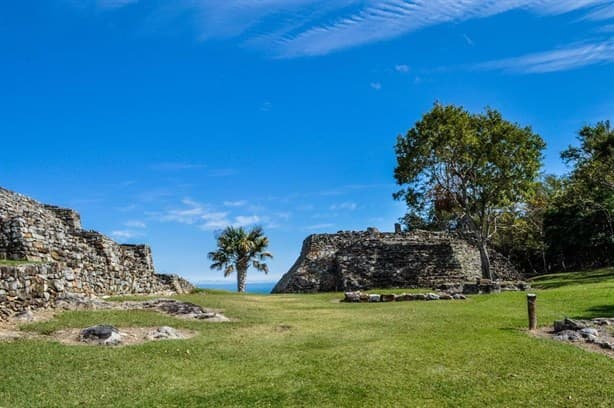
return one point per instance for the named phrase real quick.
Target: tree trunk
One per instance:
(241, 278)
(485, 261)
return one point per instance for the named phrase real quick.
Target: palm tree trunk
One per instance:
(241, 279)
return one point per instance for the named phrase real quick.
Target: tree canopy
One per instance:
(237, 250)
(467, 168)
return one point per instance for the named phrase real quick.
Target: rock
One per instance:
(445, 296)
(374, 298)
(589, 331)
(459, 296)
(352, 297)
(164, 333)
(419, 296)
(25, 316)
(364, 297)
(432, 296)
(387, 298)
(101, 334)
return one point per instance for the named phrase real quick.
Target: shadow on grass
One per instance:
(598, 311)
(572, 278)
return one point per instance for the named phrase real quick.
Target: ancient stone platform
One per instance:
(362, 260)
(66, 259)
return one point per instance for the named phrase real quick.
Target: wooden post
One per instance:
(531, 300)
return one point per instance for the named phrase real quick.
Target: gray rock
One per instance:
(352, 297)
(432, 296)
(164, 333)
(102, 334)
(374, 298)
(25, 316)
(589, 331)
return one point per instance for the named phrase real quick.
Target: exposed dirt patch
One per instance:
(130, 336)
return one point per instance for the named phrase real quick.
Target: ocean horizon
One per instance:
(253, 287)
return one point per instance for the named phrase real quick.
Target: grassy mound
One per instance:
(310, 350)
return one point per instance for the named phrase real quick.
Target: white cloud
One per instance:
(348, 205)
(319, 27)
(376, 85)
(135, 224)
(468, 40)
(319, 226)
(562, 59)
(239, 203)
(402, 68)
(601, 13)
(124, 234)
(115, 4)
(176, 166)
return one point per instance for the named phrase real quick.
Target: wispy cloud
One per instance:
(347, 206)
(239, 203)
(376, 85)
(114, 4)
(135, 224)
(562, 59)
(319, 226)
(298, 28)
(207, 217)
(176, 166)
(402, 68)
(125, 234)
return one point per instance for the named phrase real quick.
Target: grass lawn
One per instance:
(309, 350)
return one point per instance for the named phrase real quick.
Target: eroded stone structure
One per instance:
(352, 260)
(67, 259)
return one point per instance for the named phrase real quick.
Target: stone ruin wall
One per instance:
(67, 259)
(371, 259)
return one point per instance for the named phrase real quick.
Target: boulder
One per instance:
(102, 334)
(164, 333)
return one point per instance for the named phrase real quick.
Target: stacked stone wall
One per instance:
(67, 259)
(366, 260)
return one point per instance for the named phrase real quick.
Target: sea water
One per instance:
(254, 287)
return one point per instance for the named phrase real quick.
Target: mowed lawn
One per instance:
(311, 350)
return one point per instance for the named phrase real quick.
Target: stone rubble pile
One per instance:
(599, 331)
(362, 297)
(185, 310)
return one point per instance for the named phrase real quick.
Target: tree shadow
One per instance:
(572, 278)
(597, 311)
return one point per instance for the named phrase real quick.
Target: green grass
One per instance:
(309, 350)
(11, 262)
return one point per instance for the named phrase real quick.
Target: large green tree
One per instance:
(237, 250)
(580, 223)
(474, 166)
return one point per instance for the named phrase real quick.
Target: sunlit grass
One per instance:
(311, 350)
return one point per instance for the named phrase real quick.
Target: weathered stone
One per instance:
(352, 297)
(387, 298)
(445, 296)
(432, 296)
(73, 260)
(102, 334)
(374, 298)
(349, 261)
(164, 333)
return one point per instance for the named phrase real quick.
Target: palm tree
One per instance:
(237, 249)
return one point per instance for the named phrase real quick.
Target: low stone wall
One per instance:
(36, 286)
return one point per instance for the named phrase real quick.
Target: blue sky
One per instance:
(163, 121)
